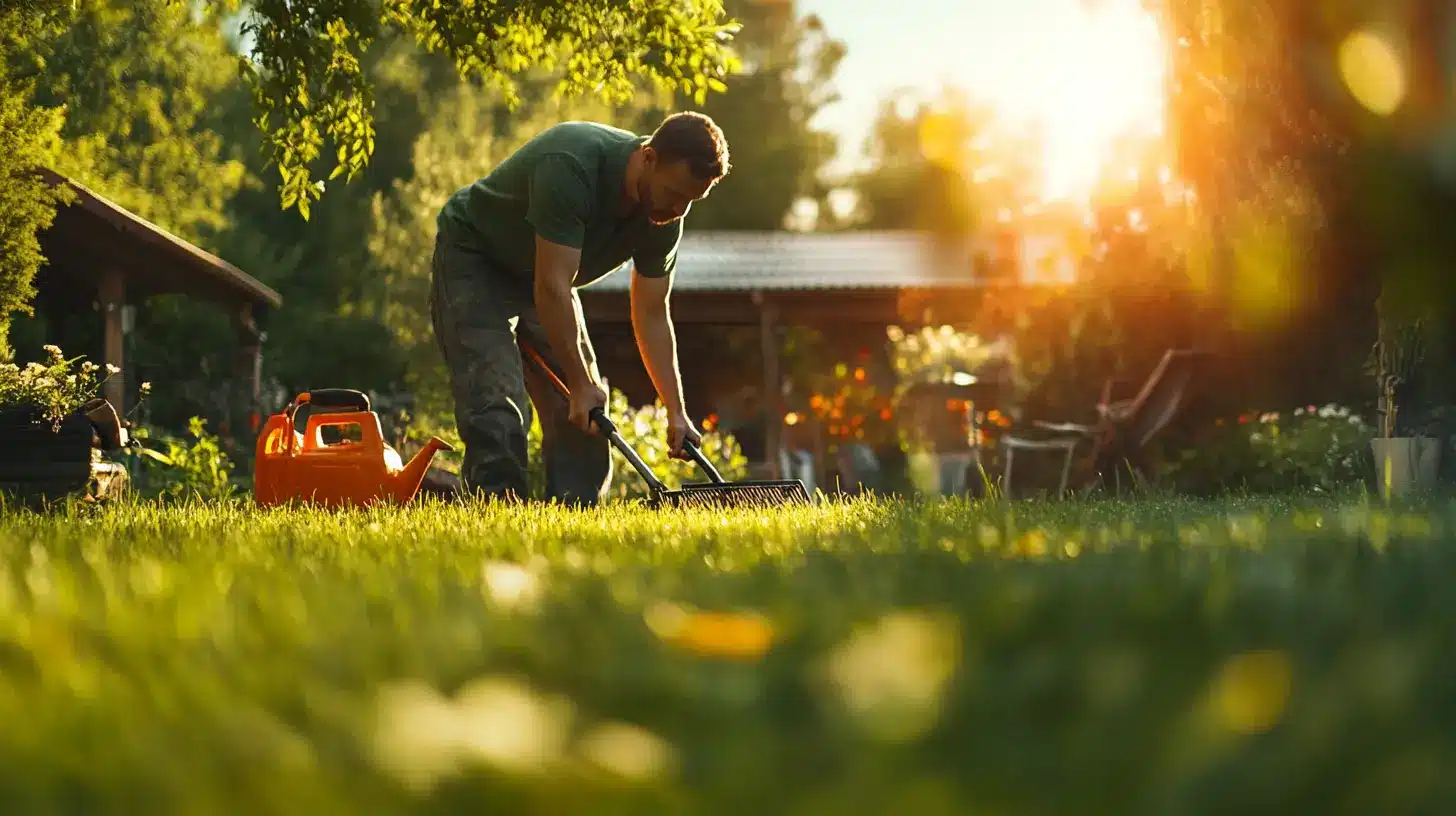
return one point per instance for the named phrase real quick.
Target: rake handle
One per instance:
(599, 416)
(702, 461)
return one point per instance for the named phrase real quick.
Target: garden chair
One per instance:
(1123, 428)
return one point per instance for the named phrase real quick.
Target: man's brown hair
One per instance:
(696, 139)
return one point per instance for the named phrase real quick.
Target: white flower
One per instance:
(112, 369)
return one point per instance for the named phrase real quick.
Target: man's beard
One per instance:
(654, 213)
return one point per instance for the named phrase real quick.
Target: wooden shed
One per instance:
(853, 284)
(101, 257)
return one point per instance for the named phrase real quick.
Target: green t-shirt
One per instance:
(567, 185)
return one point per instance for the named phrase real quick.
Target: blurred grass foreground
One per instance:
(1243, 656)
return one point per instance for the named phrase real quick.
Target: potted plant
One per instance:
(1403, 461)
(53, 428)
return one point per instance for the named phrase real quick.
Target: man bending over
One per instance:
(573, 204)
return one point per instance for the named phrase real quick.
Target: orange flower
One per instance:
(711, 634)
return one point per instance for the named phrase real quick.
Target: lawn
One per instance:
(1157, 657)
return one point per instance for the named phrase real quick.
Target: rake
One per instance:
(717, 493)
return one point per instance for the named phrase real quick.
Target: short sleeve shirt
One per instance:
(565, 185)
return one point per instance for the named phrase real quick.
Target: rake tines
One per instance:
(726, 495)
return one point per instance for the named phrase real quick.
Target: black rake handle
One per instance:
(608, 428)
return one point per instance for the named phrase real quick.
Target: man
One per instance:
(570, 206)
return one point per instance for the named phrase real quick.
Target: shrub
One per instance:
(645, 431)
(1308, 448)
(197, 468)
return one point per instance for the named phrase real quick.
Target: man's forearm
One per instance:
(658, 346)
(557, 311)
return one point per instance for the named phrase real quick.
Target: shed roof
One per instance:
(154, 259)
(788, 261)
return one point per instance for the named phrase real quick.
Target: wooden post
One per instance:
(772, 383)
(248, 372)
(112, 291)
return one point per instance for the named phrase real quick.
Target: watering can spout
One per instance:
(407, 481)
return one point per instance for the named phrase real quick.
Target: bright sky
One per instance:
(1086, 75)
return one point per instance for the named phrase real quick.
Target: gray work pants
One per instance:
(477, 313)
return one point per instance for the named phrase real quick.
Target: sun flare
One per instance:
(1087, 77)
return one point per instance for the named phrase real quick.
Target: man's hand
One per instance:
(679, 429)
(585, 397)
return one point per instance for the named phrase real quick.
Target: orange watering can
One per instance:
(338, 459)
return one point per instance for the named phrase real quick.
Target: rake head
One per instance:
(725, 495)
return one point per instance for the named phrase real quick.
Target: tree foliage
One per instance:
(29, 137)
(1307, 202)
(309, 85)
(767, 113)
(151, 148)
(935, 166)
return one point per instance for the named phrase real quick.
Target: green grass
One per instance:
(1158, 657)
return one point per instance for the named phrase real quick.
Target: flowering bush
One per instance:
(645, 431)
(1308, 448)
(57, 388)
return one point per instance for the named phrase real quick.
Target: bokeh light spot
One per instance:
(1373, 72)
(1252, 690)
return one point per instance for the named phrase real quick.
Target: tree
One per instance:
(1305, 182)
(306, 71)
(307, 58)
(151, 149)
(29, 136)
(766, 112)
(938, 165)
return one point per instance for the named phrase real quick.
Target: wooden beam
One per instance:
(112, 295)
(773, 391)
(248, 371)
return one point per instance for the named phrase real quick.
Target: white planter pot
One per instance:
(1405, 464)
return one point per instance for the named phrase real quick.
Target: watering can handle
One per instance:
(339, 398)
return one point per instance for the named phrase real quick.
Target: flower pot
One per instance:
(1405, 464)
(40, 460)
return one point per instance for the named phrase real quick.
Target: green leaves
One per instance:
(308, 86)
(29, 136)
